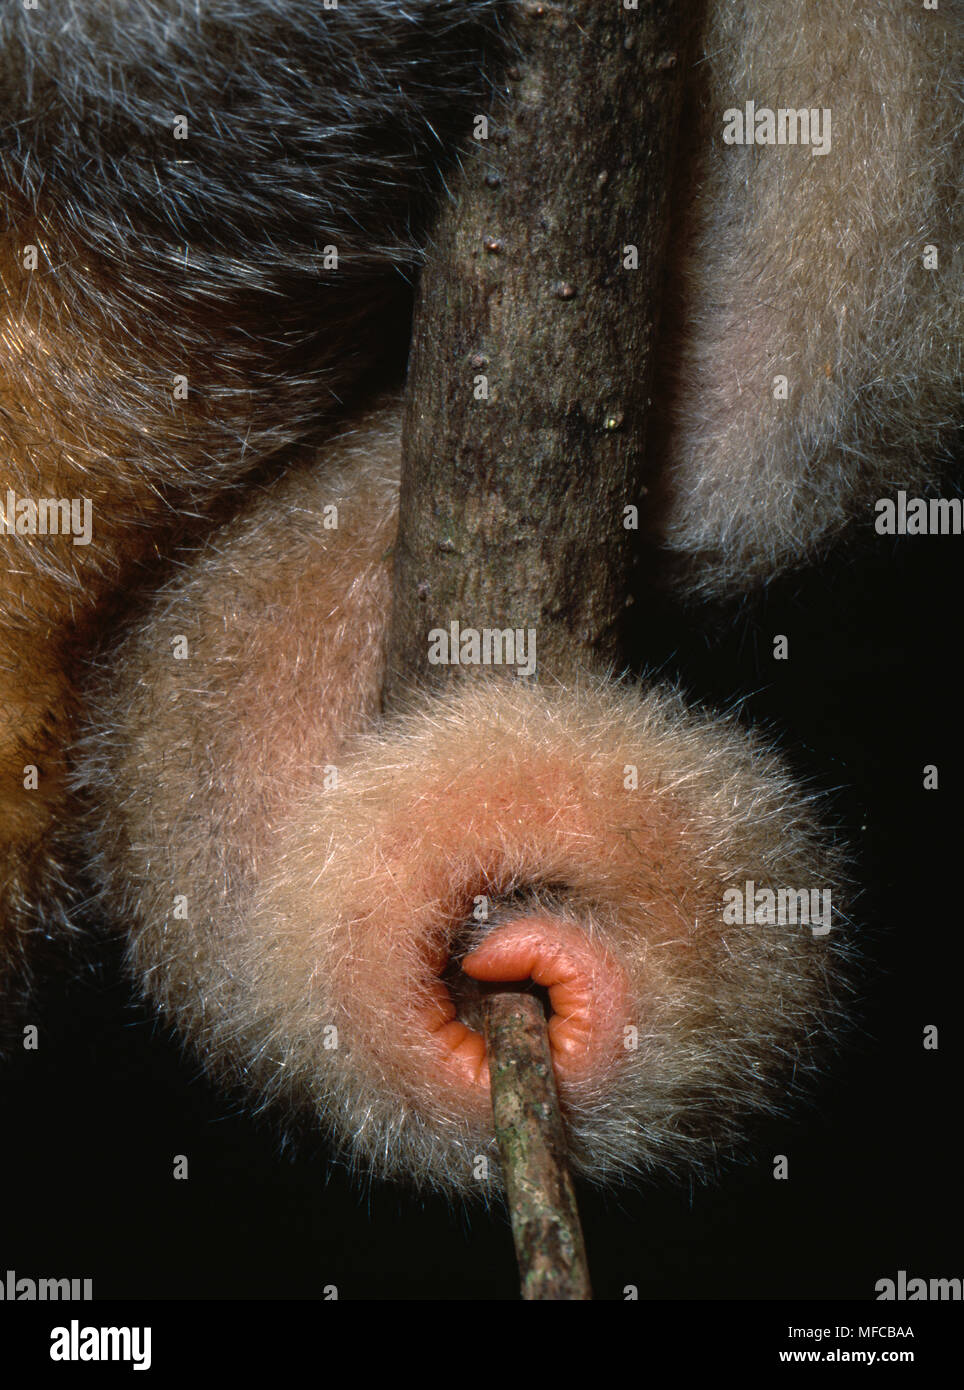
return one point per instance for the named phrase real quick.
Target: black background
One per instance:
(93, 1119)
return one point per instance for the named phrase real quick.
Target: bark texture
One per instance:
(524, 444)
(532, 1144)
(533, 346)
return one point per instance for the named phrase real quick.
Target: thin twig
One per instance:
(532, 1144)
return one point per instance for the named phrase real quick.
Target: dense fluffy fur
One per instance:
(307, 128)
(201, 747)
(266, 909)
(253, 895)
(811, 267)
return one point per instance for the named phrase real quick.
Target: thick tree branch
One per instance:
(513, 501)
(524, 442)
